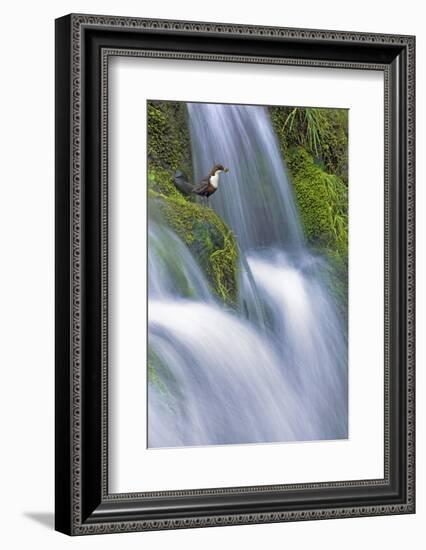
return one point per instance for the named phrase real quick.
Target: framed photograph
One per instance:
(234, 274)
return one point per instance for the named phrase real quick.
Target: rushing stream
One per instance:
(276, 369)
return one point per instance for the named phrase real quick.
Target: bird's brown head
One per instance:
(218, 168)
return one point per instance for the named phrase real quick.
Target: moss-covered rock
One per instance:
(201, 229)
(161, 181)
(207, 236)
(322, 201)
(169, 145)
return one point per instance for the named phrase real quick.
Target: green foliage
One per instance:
(311, 125)
(322, 201)
(209, 239)
(169, 146)
(314, 143)
(322, 132)
(223, 262)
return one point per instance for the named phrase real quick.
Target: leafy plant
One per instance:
(312, 122)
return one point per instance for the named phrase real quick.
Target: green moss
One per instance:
(223, 262)
(321, 132)
(322, 201)
(160, 181)
(169, 145)
(207, 236)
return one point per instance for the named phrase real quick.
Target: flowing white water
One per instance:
(254, 198)
(277, 369)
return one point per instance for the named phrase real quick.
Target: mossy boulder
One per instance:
(169, 143)
(207, 236)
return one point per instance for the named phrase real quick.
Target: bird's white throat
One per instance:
(214, 180)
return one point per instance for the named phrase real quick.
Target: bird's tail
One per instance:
(181, 182)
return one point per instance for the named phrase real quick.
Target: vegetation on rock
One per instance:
(207, 236)
(169, 144)
(200, 228)
(314, 144)
(322, 202)
(323, 133)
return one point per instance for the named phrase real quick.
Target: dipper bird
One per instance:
(207, 185)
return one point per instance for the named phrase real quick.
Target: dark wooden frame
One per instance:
(83, 46)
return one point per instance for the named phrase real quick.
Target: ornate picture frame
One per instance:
(84, 45)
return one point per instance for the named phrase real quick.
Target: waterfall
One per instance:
(255, 198)
(275, 369)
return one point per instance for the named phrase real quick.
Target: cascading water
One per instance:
(255, 198)
(276, 369)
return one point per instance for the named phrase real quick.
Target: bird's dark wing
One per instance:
(201, 187)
